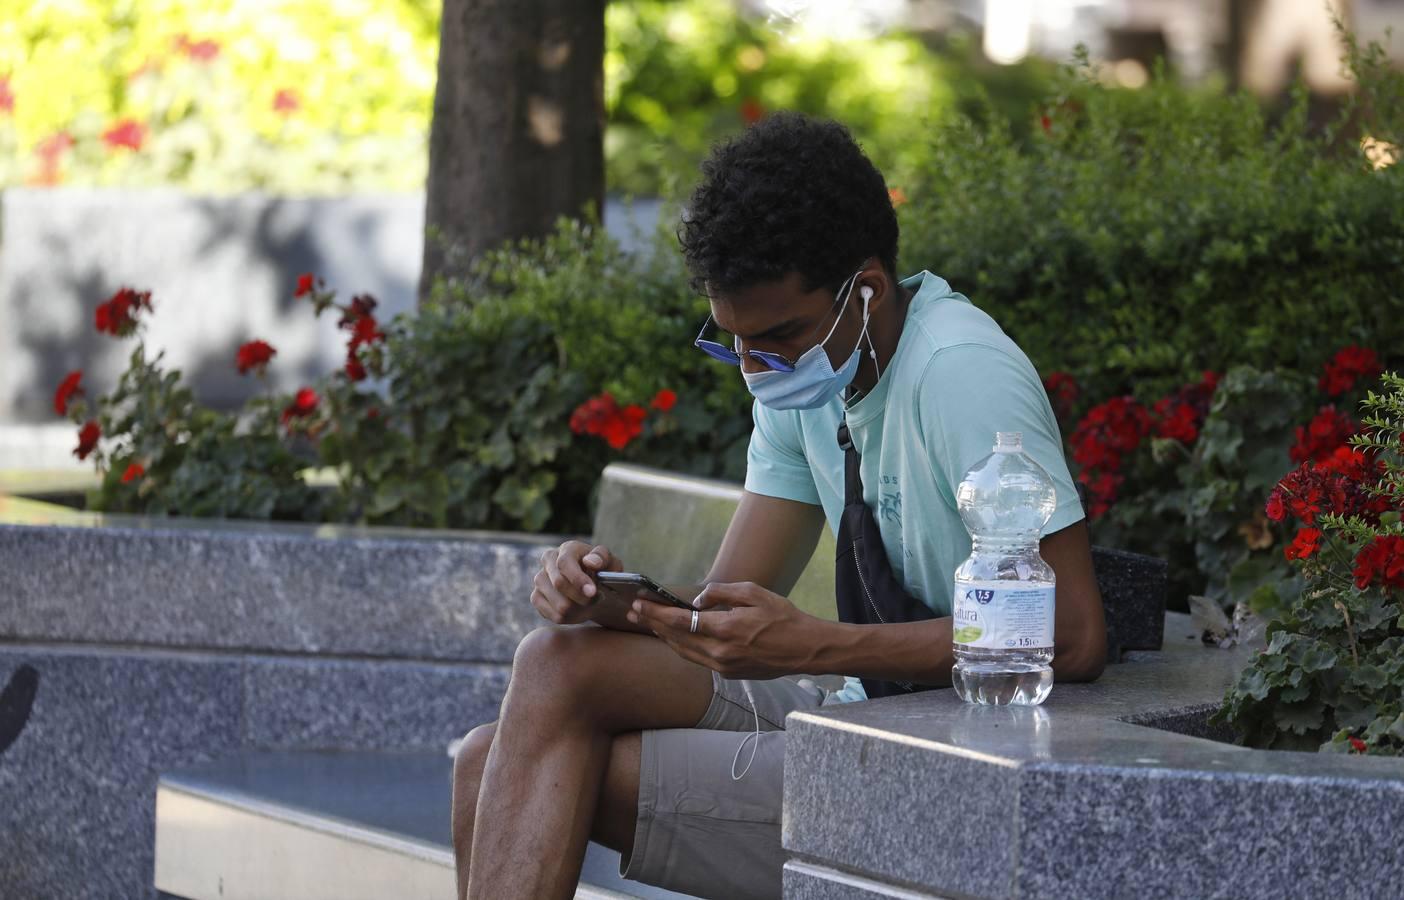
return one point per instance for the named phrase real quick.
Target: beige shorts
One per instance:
(699, 831)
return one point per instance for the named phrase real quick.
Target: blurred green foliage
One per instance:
(681, 73)
(337, 95)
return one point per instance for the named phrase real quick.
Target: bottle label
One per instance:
(1003, 615)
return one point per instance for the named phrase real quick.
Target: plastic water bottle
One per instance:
(1003, 598)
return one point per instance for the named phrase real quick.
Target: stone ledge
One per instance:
(1071, 800)
(264, 587)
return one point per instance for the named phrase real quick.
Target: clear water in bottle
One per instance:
(1003, 600)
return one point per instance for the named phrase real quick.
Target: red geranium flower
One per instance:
(361, 306)
(1062, 392)
(67, 390)
(359, 319)
(1326, 433)
(354, 369)
(1357, 744)
(127, 133)
(117, 316)
(303, 405)
(1305, 544)
(7, 96)
(286, 101)
(87, 439)
(1349, 364)
(1381, 560)
(603, 417)
(664, 400)
(134, 471)
(254, 355)
(304, 284)
(1101, 489)
(1108, 432)
(365, 331)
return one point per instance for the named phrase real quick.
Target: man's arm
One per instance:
(769, 542)
(922, 651)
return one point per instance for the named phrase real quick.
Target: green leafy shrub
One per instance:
(1145, 236)
(1184, 478)
(1332, 675)
(496, 405)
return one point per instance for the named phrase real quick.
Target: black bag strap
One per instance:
(852, 473)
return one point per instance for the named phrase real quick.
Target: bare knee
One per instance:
(557, 670)
(472, 754)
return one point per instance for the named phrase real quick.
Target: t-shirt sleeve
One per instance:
(776, 465)
(969, 392)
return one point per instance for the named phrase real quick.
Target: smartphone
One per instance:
(626, 585)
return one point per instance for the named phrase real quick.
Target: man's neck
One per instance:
(885, 331)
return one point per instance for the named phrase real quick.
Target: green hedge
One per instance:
(1145, 236)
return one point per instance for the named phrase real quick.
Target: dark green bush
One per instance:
(1148, 235)
(483, 380)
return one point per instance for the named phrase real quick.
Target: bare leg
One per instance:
(616, 815)
(573, 689)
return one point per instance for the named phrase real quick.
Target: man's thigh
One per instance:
(700, 830)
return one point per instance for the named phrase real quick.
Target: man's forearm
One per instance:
(921, 652)
(908, 651)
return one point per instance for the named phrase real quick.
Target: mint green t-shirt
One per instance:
(955, 379)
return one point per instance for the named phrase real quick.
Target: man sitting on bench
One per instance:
(629, 729)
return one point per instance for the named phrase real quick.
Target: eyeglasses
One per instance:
(776, 361)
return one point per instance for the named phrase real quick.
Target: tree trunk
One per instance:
(518, 132)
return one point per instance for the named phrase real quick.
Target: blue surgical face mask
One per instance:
(814, 381)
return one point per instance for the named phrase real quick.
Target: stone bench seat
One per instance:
(305, 825)
(1113, 789)
(325, 826)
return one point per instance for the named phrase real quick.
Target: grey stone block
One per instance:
(316, 704)
(79, 783)
(439, 595)
(1073, 800)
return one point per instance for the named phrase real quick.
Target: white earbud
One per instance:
(865, 292)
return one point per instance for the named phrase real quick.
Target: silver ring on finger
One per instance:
(693, 629)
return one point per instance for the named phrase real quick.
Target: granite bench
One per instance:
(365, 819)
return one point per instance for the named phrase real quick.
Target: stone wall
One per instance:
(221, 270)
(158, 644)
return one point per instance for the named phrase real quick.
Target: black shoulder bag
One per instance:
(867, 591)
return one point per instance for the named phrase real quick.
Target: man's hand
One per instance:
(743, 631)
(564, 590)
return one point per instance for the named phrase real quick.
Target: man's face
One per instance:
(782, 317)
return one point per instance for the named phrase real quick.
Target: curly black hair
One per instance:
(790, 194)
